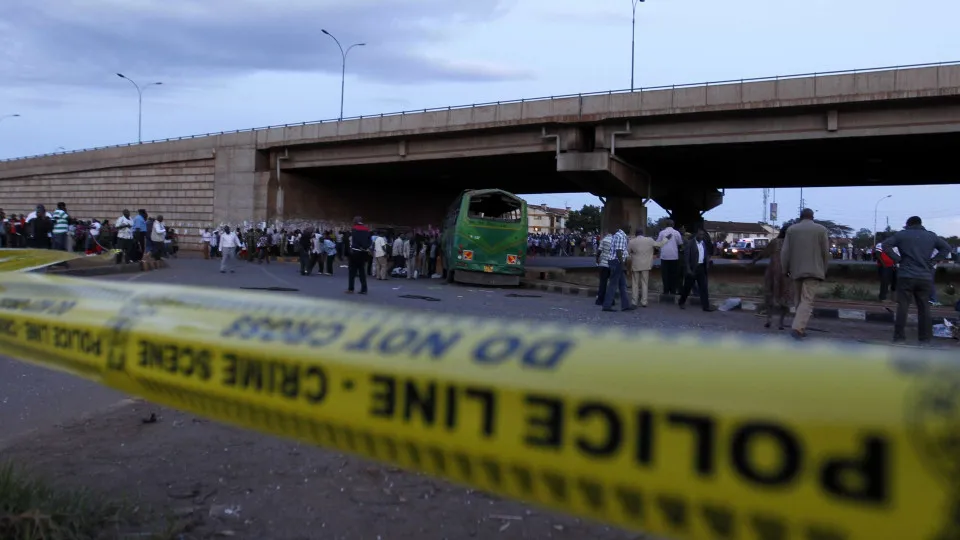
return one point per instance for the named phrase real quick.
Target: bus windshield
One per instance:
(495, 207)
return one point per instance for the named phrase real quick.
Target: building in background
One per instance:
(731, 231)
(541, 219)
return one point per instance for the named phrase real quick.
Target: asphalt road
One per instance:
(32, 397)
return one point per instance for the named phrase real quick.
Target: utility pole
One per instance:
(802, 202)
(766, 199)
(633, 42)
(343, 67)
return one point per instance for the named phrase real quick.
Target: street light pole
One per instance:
(343, 66)
(139, 103)
(2, 117)
(633, 42)
(875, 208)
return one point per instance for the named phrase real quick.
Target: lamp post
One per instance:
(2, 117)
(139, 103)
(633, 41)
(875, 208)
(343, 66)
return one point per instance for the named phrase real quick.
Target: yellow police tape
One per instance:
(691, 437)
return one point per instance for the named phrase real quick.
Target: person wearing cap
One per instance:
(359, 249)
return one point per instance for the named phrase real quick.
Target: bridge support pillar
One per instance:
(686, 207)
(629, 212)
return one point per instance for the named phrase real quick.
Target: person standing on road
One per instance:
(205, 238)
(380, 252)
(670, 258)
(61, 224)
(618, 280)
(229, 242)
(804, 256)
(697, 252)
(641, 261)
(603, 263)
(329, 252)
(915, 245)
(39, 229)
(776, 286)
(359, 251)
(125, 236)
(887, 270)
(305, 245)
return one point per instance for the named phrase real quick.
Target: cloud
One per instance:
(80, 42)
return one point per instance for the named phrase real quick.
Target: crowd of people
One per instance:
(134, 238)
(380, 254)
(799, 258)
(561, 245)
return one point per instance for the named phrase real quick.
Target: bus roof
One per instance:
(486, 191)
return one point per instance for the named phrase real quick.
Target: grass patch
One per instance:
(33, 510)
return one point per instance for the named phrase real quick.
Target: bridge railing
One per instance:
(814, 75)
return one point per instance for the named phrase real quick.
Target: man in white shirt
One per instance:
(125, 236)
(398, 252)
(670, 258)
(228, 248)
(205, 237)
(380, 252)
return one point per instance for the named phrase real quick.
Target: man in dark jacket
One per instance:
(915, 261)
(696, 255)
(360, 243)
(39, 229)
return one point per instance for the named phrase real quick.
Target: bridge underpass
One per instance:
(687, 180)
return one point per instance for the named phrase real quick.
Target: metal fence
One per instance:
(506, 102)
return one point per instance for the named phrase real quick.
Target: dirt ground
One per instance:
(190, 478)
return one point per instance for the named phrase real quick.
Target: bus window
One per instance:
(495, 207)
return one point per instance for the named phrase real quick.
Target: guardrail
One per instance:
(506, 102)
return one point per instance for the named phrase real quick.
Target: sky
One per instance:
(234, 64)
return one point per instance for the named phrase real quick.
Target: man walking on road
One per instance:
(229, 242)
(914, 244)
(804, 258)
(641, 261)
(618, 281)
(360, 245)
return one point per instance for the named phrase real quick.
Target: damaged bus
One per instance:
(484, 238)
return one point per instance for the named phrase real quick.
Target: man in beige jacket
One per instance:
(640, 250)
(804, 258)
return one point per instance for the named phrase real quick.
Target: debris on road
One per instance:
(731, 304)
(419, 297)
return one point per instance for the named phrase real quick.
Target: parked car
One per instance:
(746, 249)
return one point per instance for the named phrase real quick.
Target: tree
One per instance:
(863, 239)
(954, 241)
(587, 219)
(834, 229)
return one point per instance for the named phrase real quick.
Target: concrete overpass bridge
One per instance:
(677, 145)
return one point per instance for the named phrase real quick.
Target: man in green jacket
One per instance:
(804, 258)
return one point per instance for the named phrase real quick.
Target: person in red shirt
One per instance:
(888, 273)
